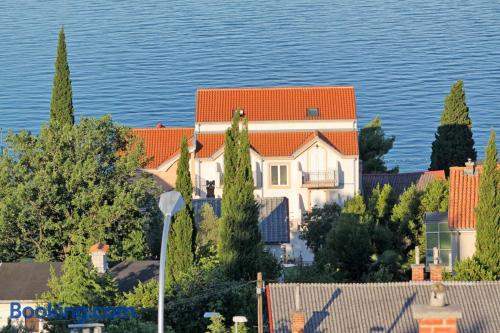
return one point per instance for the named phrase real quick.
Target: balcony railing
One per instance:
(319, 179)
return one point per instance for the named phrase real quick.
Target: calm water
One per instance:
(142, 61)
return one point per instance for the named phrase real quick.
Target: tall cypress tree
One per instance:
(488, 211)
(240, 242)
(61, 104)
(453, 144)
(180, 244)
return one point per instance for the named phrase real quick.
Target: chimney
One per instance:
(160, 125)
(436, 268)
(298, 316)
(470, 167)
(98, 252)
(437, 316)
(417, 269)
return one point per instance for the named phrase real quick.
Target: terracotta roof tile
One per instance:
(280, 144)
(162, 143)
(274, 104)
(463, 198)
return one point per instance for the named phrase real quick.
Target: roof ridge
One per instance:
(385, 284)
(275, 88)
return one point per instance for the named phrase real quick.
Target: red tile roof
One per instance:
(279, 144)
(463, 198)
(99, 247)
(275, 104)
(162, 143)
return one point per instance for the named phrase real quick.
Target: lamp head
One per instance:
(171, 203)
(240, 319)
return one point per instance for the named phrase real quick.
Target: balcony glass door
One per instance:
(317, 163)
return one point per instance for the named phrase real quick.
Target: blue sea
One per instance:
(142, 61)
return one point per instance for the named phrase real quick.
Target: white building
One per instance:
(303, 146)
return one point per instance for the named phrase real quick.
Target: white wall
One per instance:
(5, 312)
(306, 125)
(463, 244)
(301, 199)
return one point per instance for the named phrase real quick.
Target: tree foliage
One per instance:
(61, 105)
(488, 211)
(240, 244)
(471, 269)
(207, 236)
(216, 325)
(80, 284)
(453, 143)
(317, 223)
(435, 196)
(381, 202)
(180, 244)
(373, 145)
(73, 186)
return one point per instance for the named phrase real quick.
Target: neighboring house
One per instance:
(454, 233)
(399, 181)
(26, 282)
(383, 307)
(304, 145)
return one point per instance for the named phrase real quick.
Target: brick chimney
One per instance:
(470, 167)
(417, 269)
(298, 316)
(98, 253)
(437, 316)
(436, 269)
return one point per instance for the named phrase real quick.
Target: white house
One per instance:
(304, 146)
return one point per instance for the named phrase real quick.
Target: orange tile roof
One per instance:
(463, 198)
(275, 104)
(162, 143)
(279, 144)
(99, 247)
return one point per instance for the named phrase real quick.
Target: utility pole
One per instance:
(260, 290)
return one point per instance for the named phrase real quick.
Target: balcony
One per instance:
(319, 179)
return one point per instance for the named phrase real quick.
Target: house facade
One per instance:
(304, 146)
(454, 232)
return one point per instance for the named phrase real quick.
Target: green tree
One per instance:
(242, 328)
(240, 243)
(180, 246)
(61, 105)
(216, 325)
(435, 196)
(71, 187)
(380, 204)
(408, 218)
(346, 254)
(471, 269)
(80, 284)
(207, 236)
(355, 205)
(488, 211)
(373, 145)
(453, 144)
(317, 223)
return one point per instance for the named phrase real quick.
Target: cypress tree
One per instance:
(240, 242)
(373, 145)
(488, 211)
(453, 144)
(61, 104)
(180, 245)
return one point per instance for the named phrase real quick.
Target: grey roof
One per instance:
(273, 217)
(129, 273)
(399, 181)
(436, 217)
(25, 280)
(381, 307)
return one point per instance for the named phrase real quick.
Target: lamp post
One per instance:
(237, 320)
(170, 204)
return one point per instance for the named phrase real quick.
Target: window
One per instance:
(279, 175)
(438, 235)
(312, 112)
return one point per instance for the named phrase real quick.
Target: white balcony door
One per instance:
(317, 162)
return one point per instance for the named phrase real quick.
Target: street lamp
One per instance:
(170, 204)
(210, 315)
(237, 320)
